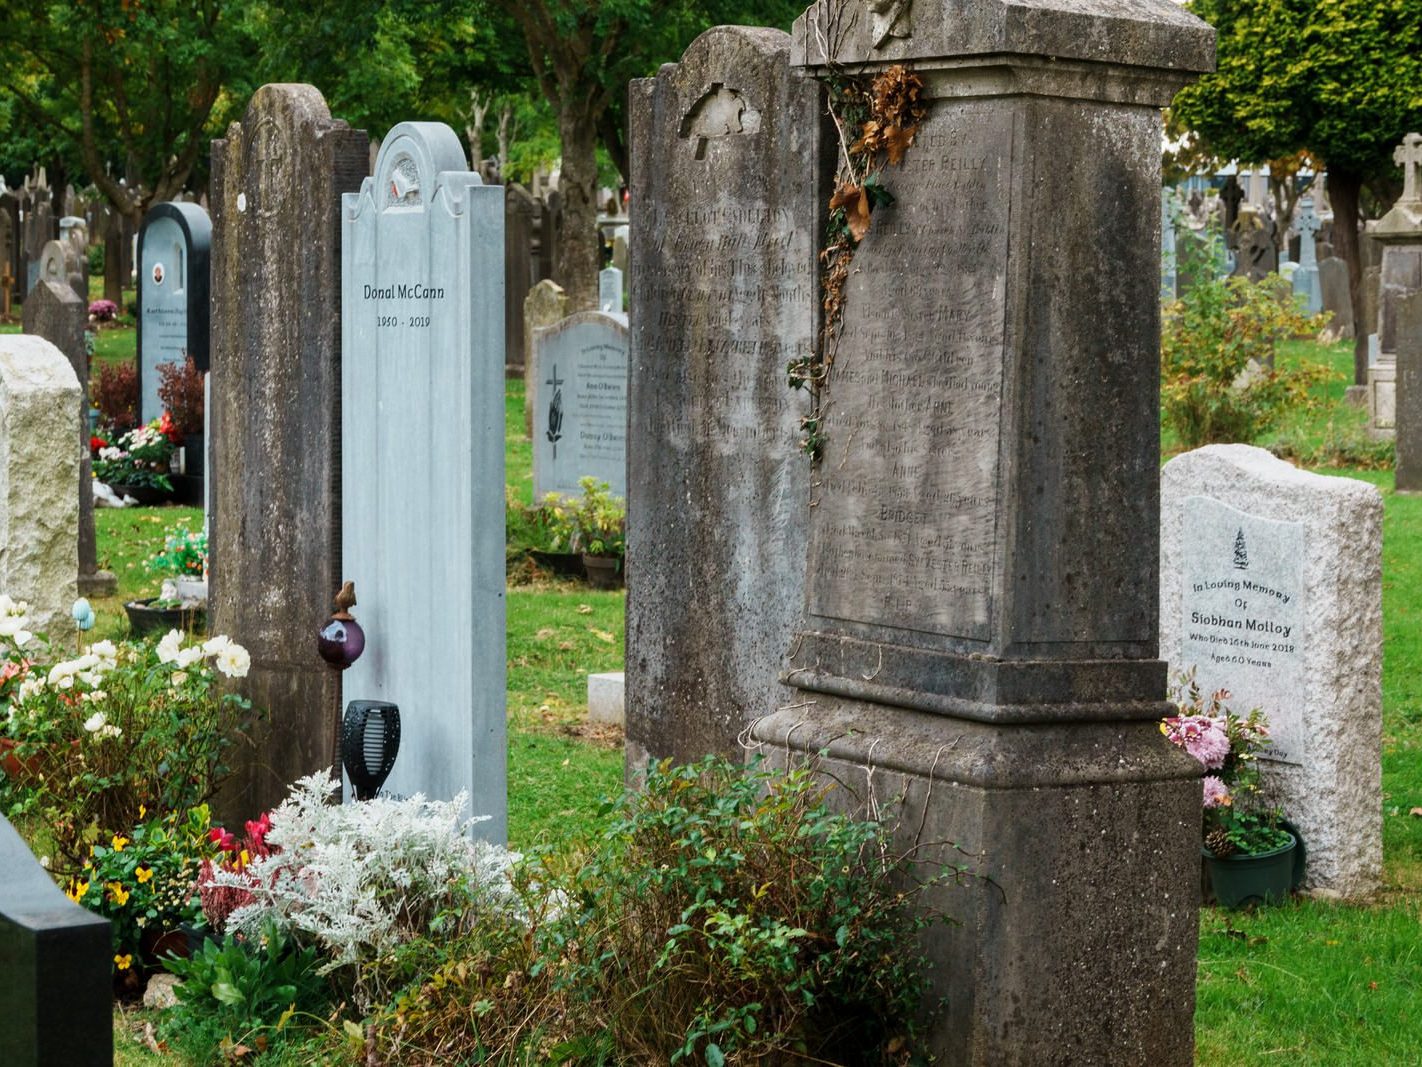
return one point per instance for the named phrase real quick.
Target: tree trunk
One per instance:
(506, 122)
(1343, 190)
(579, 252)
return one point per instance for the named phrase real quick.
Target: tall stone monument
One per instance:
(54, 312)
(275, 437)
(422, 459)
(1305, 280)
(1399, 344)
(725, 147)
(980, 626)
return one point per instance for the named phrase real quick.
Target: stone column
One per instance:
(1399, 338)
(277, 180)
(980, 627)
(56, 313)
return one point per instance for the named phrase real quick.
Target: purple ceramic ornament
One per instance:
(341, 640)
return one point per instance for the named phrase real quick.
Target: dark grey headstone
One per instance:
(54, 312)
(522, 225)
(1406, 324)
(56, 969)
(718, 488)
(1257, 255)
(1333, 285)
(980, 632)
(275, 430)
(174, 250)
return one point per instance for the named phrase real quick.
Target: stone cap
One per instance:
(1151, 34)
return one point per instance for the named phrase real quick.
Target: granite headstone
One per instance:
(174, 250)
(580, 412)
(1399, 233)
(1333, 288)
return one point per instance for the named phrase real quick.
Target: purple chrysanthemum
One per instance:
(1216, 792)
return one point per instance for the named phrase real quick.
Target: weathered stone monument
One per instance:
(1271, 587)
(1333, 289)
(39, 468)
(422, 513)
(580, 406)
(275, 427)
(725, 146)
(54, 312)
(546, 305)
(56, 969)
(174, 252)
(980, 626)
(1305, 280)
(1399, 233)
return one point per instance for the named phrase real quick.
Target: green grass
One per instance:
(115, 344)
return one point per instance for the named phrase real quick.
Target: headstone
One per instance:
(620, 248)
(1257, 255)
(274, 421)
(580, 409)
(9, 226)
(607, 698)
(39, 231)
(1231, 194)
(174, 306)
(1382, 367)
(422, 513)
(54, 312)
(1399, 233)
(52, 266)
(73, 235)
(522, 220)
(39, 468)
(1168, 266)
(1305, 280)
(1333, 288)
(1271, 588)
(56, 969)
(609, 290)
(723, 298)
(979, 634)
(545, 305)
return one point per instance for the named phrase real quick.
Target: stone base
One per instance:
(606, 698)
(1356, 396)
(1076, 921)
(98, 584)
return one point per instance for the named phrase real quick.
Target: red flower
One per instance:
(168, 430)
(96, 443)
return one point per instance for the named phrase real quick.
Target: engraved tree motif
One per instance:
(1241, 554)
(555, 411)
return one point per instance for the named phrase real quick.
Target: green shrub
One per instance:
(727, 916)
(1341, 445)
(1218, 378)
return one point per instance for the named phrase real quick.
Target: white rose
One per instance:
(213, 645)
(188, 656)
(95, 722)
(110, 731)
(104, 649)
(234, 661)
(169, 647)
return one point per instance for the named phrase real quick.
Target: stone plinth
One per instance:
(607, 698)
(39, 469)
(1271, 587)
(980, 630)
(275, 427)
(726, 148)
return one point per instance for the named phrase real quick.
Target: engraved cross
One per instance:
(555, 381)
(1409, 157)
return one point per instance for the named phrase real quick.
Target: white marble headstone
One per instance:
(609, 290)
(580, 421)
(1271, 588)
(422, 409)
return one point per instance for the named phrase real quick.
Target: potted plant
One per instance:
(138, 465)
(550, 524)
(1249, 852)
(600, 523)
(181, 603)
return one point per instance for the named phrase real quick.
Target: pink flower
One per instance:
(1216, 793)
(1201, 736)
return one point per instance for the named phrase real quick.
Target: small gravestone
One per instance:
(609, 290)
(580, 412)
(39, 468)
(1333, 289)
(422, 346)
(1231, 194)
(546, 305)
(52, 265)
(1271, 588)
(1257, 255)
(56, 969)
(1305, 279)
(73, 234)
(174, 248)
(274, 422)
(718, 486)
(55, 313)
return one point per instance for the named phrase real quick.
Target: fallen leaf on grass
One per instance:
(602, 635)
(584, 609)
(565, 646)
(1416, 811)
(545, 633)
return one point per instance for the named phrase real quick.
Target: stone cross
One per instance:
(1230, 195)
(1408, 156)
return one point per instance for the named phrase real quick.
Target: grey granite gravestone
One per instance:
(56, 969)
(275, 428)
(609, 289)
(580, 409)
(723, 254)
(1399, 232)
(54, 312)
(174, 252)
(1333, 288)
(1305, 280)
(422, 461)
(1271, 587)
(522, 219)
(545, 305)
(979, 635)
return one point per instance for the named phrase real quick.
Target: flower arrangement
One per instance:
(114, 732)
(184, 554)
(103, 311)
(145, 880)
(233, 857)
(1237, 818)
(141, 458)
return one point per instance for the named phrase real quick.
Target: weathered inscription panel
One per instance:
(1242, 614)
(903, 533)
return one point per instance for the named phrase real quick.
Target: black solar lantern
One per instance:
(370, 738)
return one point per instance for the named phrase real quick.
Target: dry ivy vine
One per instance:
(876, 119)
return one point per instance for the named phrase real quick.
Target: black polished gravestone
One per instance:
(56, 985)
(980, 636)
(174, 246)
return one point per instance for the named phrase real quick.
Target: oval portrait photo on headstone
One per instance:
(157, 274)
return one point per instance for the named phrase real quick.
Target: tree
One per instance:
(1341, 79)
(583, 53)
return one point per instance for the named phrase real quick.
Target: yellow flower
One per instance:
(245, 858)
(77, 891)
(119, 894)
(123, 962)
(118, 842)
(143, 874)
(142, 811)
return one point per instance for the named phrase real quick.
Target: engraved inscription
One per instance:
(904, 530)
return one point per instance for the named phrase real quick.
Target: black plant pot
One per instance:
(146, 495)
(193, 457)
(143, 619)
